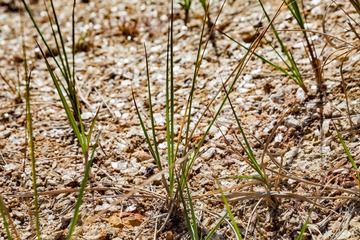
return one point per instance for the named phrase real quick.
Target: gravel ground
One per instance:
(291, 131)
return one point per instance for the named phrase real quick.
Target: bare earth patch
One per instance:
(291, 132)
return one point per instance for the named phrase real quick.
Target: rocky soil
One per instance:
(292, 132)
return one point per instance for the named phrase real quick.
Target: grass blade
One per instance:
(169, 102)
(303, 229)
(58, 50)
(234, 225)
(73, 40)
(30, 139)
(186, 5)
(247, 148)
(210, 235)
(191, 220)
(62, 43)
(80, 197)
(315, 62)
(194, 226)
(348, 154)
(3, 212)
(198, 62)
(151, 112)
(142, 124)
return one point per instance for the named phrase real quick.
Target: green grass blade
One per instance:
(348, 154)
(28, 10)
(295, 11)
(210, 235)
(262, 58)
(80, 197)
(151, 112)
(142, 124)
(247, 148)
(186, 5)
(63, 69)
(198, 62)
(203, 3)
(314, 60)
(92, 126)
(62, 43)
(194, 226)
(169, 104)
(73, 39)
(5, 221)
(280, 41)
(303, 229)
(185, 207)
(191, 220)
(172, 156)
(296, 76)
(30, 139)
(193, 84)
(234, 225)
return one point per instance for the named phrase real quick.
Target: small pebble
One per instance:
(87, 115)
(119, 165)
(292, 122)
(277, 97)
(208, 154)
(300, 95)
(290, 155)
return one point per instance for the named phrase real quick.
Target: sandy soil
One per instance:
(314, 180)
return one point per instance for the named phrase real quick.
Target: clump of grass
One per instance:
(67, 91)
(67, 85)
(84, 43)
(176, 184)
(292, 69)
(152, 142)
(180, 163)
(294, 9)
